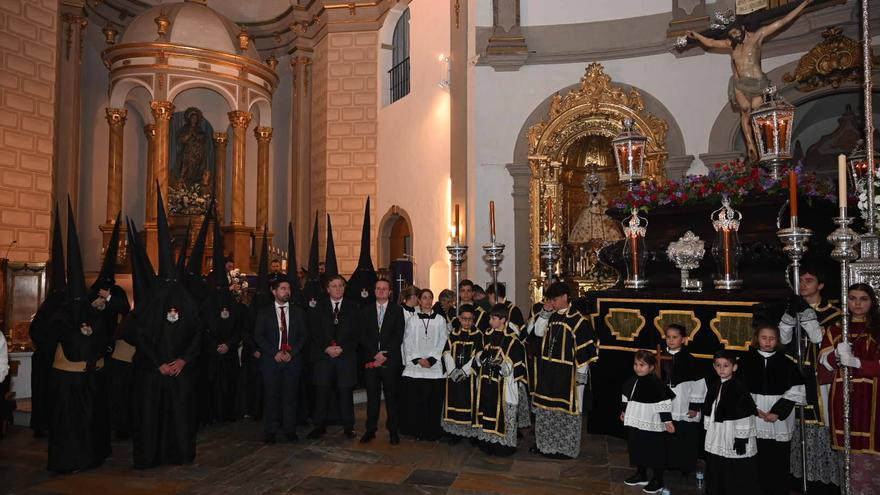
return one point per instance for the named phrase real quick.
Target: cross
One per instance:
(400, 280)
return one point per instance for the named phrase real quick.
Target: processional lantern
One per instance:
(858, 165)
(634, 253)
(629, 154)
(727, 250)
(771, 124)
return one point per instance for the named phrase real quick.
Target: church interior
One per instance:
(521, 142)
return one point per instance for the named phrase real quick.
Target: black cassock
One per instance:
(119, 370)
(79, 427)
(165, 407)
(220, 371)
(458, 409)
(493, 415)
(45, 339)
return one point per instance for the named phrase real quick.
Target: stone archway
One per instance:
(394, 229)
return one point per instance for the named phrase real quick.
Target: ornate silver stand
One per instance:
(550, 251)
(845, 241)
(457, 256)
(494, 255)
(794, 241)
(686, 253)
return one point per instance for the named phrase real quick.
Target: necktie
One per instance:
(336, 313)
(381, 315)
(283, 329)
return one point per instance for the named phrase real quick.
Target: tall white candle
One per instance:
(841, 180)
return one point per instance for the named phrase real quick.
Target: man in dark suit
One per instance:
(334, 341)
(280, 335)
(381, 339)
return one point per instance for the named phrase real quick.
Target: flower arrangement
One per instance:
(737, 180)
(238, 284)
(187, 199)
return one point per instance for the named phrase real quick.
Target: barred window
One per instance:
(399, 73)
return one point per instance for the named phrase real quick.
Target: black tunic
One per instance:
(79, 426)
(165, 406)
(45, 338)
(220, 371)
(647, 446)
(461, 346)
(569, 342)
(503, 346)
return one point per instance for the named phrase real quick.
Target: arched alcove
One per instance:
(395, 236)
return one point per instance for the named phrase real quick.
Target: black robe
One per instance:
(166, 406)
(220, 371)
(461, 346)
(683, 446)
(45, 338)
(647, 448)
(503, 345)
(119, 373)
(771, 376)
(79, 426)
(569, 342)
(827, 315)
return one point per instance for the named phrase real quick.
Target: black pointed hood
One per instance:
(218, 278)
(181, 255)
(58, 278)
(263, 268)
(312, 288)
(330, 266)
(107, 276)
(360, 285)
(194, 265)
(76, 277)
(167, 272)
(295, 289)
(138, 278)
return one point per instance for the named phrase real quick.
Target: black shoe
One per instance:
(636, 480)
(395, 438)
(316, 433)
(368, 437)
(269, 439)
(349, 433)
(653, 487)
(291, 437)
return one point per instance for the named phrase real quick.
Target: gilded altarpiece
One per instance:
(572, 143)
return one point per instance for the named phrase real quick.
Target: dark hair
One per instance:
(497, 289)
(466, 308)
(646, 357)
(815, 270)
(275, 260)
(479, 290)
(276, 282)
(499, 310)
(408, 292)
(446, 294)
(873, 316)
(679, 328)
(764, 326)
(557, 289)
(724, 354)
(333, 278)
(426, 290)
(382, 279)
(465, 283)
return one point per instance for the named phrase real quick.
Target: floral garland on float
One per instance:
(736, 180)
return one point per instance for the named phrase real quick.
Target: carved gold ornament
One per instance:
(244, 40)
(110, 34)
(162, 24)
(239, 118)
(834, 61)
(272, 62)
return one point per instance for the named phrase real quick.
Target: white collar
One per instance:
(766, 354)
(725, 380)
(282, 305)
(337, 301)
(379, 304)
(564, 310)
(673, 352)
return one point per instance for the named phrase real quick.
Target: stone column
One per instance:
(239, 121)
(67, 155)
(238, 235)
(301, 137)
(162, 111)
(264, 137)
(150, 134)
(116, 118)
(522, 175)
(220, 140)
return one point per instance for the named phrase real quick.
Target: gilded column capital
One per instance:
(294, 61)
(116, 116)
(221, 138)
(263, 134)
(239, 118)
(161, 109)
(150, 131)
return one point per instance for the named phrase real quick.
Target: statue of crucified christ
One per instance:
(744, 40)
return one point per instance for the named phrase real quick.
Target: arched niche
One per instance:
(393, 227)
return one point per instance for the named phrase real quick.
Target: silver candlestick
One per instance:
(845, 241)
(794, 241)
(550, 252)
(457, 256)
(494, 255)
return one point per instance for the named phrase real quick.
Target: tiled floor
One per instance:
(233, 460)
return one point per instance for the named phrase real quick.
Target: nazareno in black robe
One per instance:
(45, 339)
(220, 371)
(79, 427)
(165, 407)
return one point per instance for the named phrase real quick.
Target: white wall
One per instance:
(413, 144)
(544, 12)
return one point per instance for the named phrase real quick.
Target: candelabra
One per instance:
(494, 255)
(794, 241)
(845, 241)
(457, 256)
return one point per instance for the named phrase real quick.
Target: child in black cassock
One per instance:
(647, 415)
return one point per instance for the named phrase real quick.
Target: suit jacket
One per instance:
(389, 339)
(323, 332)
(267, 334)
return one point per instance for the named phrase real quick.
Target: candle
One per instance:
(841, 180)
(456, 223)
(726, 234)
(492, 219)
(549, 218)
(635, 254)
(792, 192)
